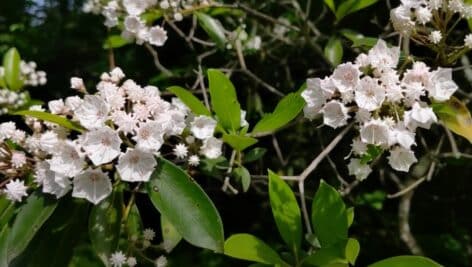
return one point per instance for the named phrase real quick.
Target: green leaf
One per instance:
(333, 51)
(254, 154)
(85, 256)
(105, 225)
(45, 116)
(193, 103)
(286, 110)
(134, 225)
(331, 5)
(286, 212)
(351, 6)
(31, 216)
(224, 100)
(359, 40)
(115, 41)
(4, 246)
(352, 250)
(11, 64)
(213, 28)
(239, 142)
(456, 116)
(327, 256)
(244, 176)
(403, 261)
(350, 216)
(184, 203)
(249, 247)
(329, 216)
(169, 234)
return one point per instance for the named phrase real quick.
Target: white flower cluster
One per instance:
(32, 77)
(11, 100)
(386, 106)
(126, 126)
(252, 42)
(413, 16)
(130, 14)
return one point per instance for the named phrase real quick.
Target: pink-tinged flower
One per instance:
(93, 185)
(92, 113)
(136, 165)
(102, 145)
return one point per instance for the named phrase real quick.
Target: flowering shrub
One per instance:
(118, 156)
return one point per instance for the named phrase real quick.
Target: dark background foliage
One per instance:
(66, 42)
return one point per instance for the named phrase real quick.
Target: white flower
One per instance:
(457, 6)
(211, 148)
(66, 160)
(173, 121)
(135, 7)
(92, 112)
(15, 190)
(131, 261)
(18, 159)
(243, 120)
(403, 137)
(358, 147)
(401, 159)
(126, 123)
(93, 185)
(157, 36)
(401, 20)
(161, 261)
(369, 94)
(149, 136)
(335, 114)
(136, 165)
(193, 160)
(203, 127)
(435, 37)
(314, 97)
(149, 234)
(102, 145)
(117, 259)
(441, 86)
(346, 77)
(468, 41)
(73, 102)
(419, 117)
(180, 151)
(375, 132)
(423, 15)
(383, 57)
(358, 169)
(133, 24)
(134, 92)
(7, 130)
(57, 107)
(52, 182)
(77, 83)
(116, 74)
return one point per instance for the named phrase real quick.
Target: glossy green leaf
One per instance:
(31, 216)
(352, 250)
(84, 256)
(45, 116)
(329, 216)
(254, 154)
(213, 28)
(11, 65)
(249, 247)
(331, 5)
(4, 246)
(193, 103)
(184, 203)
(224, 100)
(239, 142)
(456, 116)
(350, 6)
(359, 40)
(6, 210)
(286, 212)
(115, 41)
(327, 256)
(286, 110)
(53, 245)
(333, 51)
(244, 176)
(105, 225)
(404, 261)
(134, 225)
(170, 235)
(350, 216)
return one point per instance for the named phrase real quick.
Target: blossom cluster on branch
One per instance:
(123, 128)
(386, 104)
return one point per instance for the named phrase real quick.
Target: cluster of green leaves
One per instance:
(329, 246)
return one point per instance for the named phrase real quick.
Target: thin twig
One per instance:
(452, 141)
(202, 86)
(275, 143)
(261, 82)
(157, 63)
(301, 188)
(407, 189)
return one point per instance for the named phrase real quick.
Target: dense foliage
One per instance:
(235, 133)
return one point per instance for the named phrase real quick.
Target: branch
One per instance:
(157, 63)
(404, 225)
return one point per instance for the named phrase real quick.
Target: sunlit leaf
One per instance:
(45, 116)
(333, 51)
(455, 116)
(213, 28)
(193, 103)
(249, 247)
(12, 69)
(403, 261)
